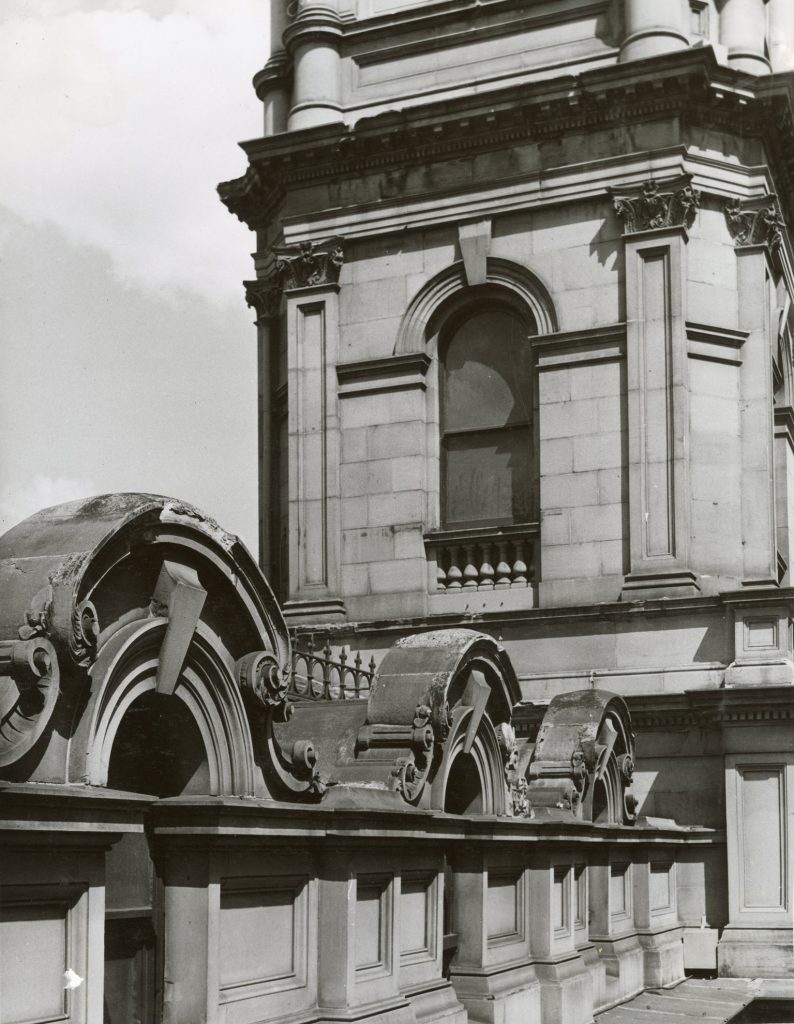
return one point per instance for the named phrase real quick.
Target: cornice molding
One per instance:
(690, 84)
(564, 348)
(715, 344)
(374, 376)
(784, 424)
(711, 709)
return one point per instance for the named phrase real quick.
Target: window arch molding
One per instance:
(448, 293)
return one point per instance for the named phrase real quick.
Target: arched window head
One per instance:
(487, 461)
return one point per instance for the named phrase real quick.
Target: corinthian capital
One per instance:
(308, 264)
(755, 222)
(655, 204)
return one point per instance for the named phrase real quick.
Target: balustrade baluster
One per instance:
(519, 566)
(486, 569)
(454, 575)
(502, 568)
(470, 574)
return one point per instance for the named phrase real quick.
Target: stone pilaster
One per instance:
(492, 972)
(309, 276)
(758, 793)
(264, 296)
(656, 219)
(756, 228)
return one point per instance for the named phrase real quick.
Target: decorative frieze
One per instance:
(755, 222)
(658, 205)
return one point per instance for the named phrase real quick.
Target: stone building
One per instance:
(527, 444)
(523, 295)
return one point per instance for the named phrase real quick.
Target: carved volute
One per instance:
(136, 608)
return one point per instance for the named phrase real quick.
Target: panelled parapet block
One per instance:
(763, 624)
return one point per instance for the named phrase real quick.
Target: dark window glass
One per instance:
(486, 417)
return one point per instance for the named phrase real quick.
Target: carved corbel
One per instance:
(657, 205)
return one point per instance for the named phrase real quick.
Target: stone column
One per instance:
(656, 222)
(743, 31)
(781, 34)
(757, 232)
(313, 41)
(309, 276)
(265, 297)
(272, 82)
(652, 28)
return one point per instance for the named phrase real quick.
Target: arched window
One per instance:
(487, 462)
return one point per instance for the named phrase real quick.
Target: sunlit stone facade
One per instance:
(523, 281)
(499, 728)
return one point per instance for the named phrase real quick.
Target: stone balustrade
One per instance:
(491, 558)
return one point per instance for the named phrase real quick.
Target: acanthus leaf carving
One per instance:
(308, 265)
(655, 207)
(264, 296)
(755, 222)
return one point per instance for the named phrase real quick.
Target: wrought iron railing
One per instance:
(323, 675)
(489, 558)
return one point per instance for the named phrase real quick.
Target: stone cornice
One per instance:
(710, 709)
(784, 424)
(689, 84)
(373, 376)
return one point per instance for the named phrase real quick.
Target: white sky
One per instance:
(127, 353)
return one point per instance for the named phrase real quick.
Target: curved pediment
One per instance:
(436, 732)
(583, 761)
(135, 607)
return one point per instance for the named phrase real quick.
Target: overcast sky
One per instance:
(127, 353)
